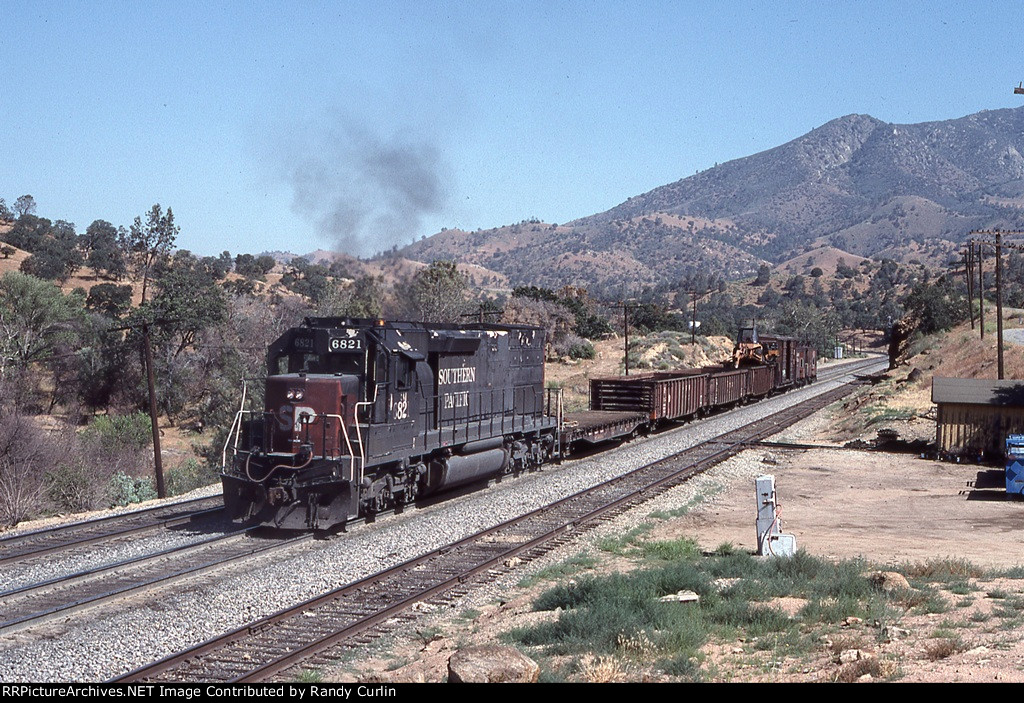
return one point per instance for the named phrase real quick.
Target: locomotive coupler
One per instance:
(278, 495)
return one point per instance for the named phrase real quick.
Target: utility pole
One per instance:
(999, 301)
(693, 321)
(998, 244)
(158, 466)
(981, 290)
(969, 274)
(625, 330)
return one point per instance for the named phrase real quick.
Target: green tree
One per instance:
(103, 254)
(187, 300)
(25, 205)
(436, 293)
(28, 232)
(764, 275)
(35, 319)
(362, 297)
(936, 306)
(109, 299)
(310, 280)
(146, 243)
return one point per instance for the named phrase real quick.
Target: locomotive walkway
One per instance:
(314, 633)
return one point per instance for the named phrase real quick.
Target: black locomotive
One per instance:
(363, 415)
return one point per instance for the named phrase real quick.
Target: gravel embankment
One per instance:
(113, 640)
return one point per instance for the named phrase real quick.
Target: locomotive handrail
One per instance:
(359, 435)
(238, 431)
(348, 443)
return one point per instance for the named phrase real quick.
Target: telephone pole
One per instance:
(625, 306)
(998, 244)
(694, 294)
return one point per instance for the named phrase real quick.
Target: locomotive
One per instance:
(362, 415)
(365, 415)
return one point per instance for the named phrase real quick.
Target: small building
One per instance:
(976, 414)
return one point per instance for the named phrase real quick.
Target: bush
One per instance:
(124, 489)
(574, 347)
(582, 350)
(190, 476)
(25, 452)
(73, 487)
(132, 431)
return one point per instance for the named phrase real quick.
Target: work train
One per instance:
(363, 415)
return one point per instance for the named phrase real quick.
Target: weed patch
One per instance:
(557, 572)
(619, 616)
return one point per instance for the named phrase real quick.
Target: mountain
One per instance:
(856, 184)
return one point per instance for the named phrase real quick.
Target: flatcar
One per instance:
(359, 416)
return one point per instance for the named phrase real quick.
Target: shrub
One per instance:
(132, 431)
(25, 452)
(73, 487)
(189, 476)
(125, 489)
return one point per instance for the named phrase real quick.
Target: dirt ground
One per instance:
(890, 509)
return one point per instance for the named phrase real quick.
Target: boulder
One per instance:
(492, 664)
(889, 581)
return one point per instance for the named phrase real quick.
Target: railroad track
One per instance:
(61, 597)
(53, 540)
(308, 633)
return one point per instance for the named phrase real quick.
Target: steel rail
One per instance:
(62, 537)
(250, 669)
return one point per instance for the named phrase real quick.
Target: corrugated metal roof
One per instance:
(978, 391)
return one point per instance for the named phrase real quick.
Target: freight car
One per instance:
(361, 415)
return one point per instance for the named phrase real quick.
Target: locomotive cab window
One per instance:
(316, 363)
(403, 373)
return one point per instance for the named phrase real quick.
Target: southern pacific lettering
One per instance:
(448, 377)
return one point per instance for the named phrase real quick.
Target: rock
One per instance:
(403, 675)
(891, 632)
(724, 584)
(492, 664)
(889, 581)
(513, 561)
(680, 597)
(848, 656)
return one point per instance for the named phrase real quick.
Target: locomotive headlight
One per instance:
(290, 395)
(298, 395)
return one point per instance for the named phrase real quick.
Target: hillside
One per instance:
(856, 184)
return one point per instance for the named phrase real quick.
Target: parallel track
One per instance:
(61, 597)
(361, 611)
(50, 541)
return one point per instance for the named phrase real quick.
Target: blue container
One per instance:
(1015, 464)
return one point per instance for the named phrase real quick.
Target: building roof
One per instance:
(978, 391)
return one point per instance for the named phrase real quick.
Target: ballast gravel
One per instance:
(108, 641)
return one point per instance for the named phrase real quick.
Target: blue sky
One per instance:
(359, 125)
